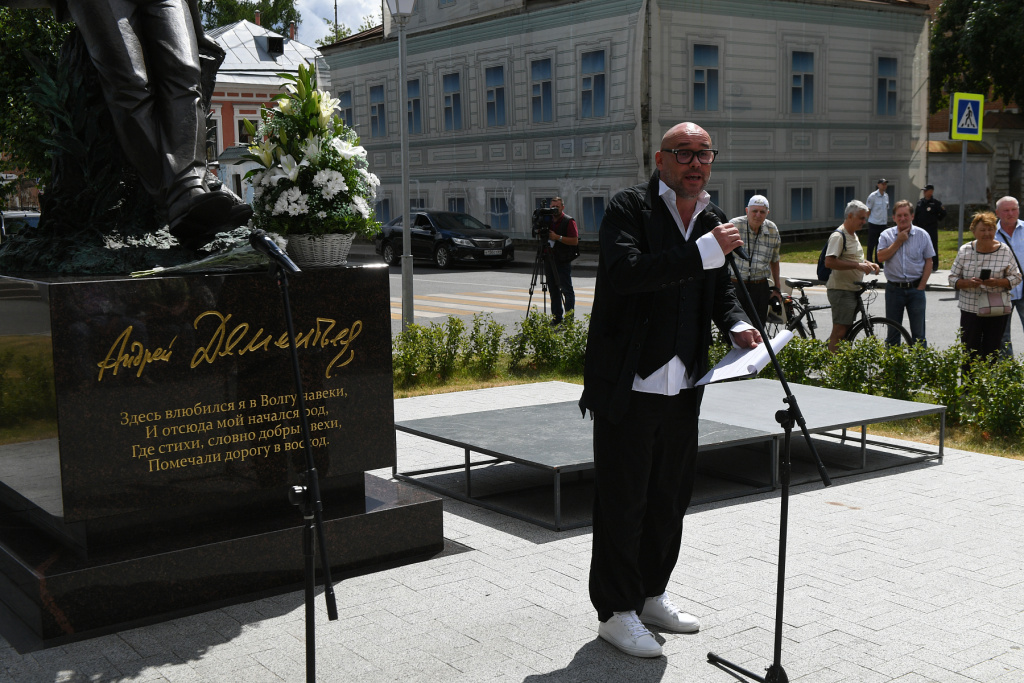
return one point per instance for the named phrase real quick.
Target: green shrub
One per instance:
(485, 344)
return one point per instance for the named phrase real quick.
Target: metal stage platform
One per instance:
(553, 439)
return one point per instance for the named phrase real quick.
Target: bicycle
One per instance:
(799, 309)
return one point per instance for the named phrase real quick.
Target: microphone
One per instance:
(712, 221)
(262, 243)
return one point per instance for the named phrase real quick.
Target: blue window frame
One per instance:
(705, 77)
(802, 90)
(345, 104)
(495, 80)
(593, 213)
(800, 204)
(887, 74)
(844, 194)
(452, 102)
(540, 98)
(412, 91)
(592, 99)
(498, 210)
(382, 209)
(378, 116)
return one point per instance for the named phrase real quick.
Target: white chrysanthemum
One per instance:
(291, 202)
(330, 181)
(371, 178)
(361, 206)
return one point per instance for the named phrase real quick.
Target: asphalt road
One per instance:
(504, 294)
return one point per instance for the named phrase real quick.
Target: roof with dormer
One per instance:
(248, 61)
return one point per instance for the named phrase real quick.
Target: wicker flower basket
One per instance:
(320, 252)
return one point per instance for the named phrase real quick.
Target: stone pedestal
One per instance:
(156, 480)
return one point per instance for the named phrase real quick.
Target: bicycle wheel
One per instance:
(880, 327)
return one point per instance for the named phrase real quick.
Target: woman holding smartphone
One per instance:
(984, 272)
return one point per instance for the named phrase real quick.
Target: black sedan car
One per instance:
(446, 237)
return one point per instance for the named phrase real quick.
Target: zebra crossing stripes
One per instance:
(441, 305)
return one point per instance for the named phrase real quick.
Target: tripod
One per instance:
(306, 494)
(786, 418)
(542, 263)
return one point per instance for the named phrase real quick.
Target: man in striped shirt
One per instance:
(907, 253)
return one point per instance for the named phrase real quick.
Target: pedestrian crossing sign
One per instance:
(965, 116)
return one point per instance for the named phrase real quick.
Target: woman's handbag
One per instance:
(994, 303)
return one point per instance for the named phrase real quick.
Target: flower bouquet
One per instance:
(314, 179)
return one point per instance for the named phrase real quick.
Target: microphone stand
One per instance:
(786, 418)
(306, 495)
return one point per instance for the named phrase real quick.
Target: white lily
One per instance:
(347, 150)
(311, 148)
(327, 107)
(265, 151)
(285, 105)
(291, 168)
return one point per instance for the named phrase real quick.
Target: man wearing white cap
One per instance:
(761, 240)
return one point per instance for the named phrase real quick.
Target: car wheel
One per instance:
(443, 257)
(387, 252)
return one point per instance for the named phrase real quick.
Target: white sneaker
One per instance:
(625, 632)
(661, 612)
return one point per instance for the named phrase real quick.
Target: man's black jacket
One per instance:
(640, 257)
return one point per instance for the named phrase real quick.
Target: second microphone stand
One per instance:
(786, 418)
(306, 496)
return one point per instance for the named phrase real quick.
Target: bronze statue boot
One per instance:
(198, 215)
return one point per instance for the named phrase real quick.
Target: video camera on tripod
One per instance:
(543, 219)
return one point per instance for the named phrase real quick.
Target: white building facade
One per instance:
(511, 102)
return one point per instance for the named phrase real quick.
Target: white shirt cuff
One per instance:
(710, 251)
(738, 327)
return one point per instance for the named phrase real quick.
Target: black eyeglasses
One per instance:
(685, 156)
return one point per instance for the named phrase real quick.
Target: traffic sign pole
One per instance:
(965, 117)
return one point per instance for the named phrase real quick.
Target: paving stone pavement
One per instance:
(910, 575)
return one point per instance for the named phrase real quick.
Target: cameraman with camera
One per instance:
(563, 237)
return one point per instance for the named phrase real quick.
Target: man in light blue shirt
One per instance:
(1011, 232)
(907, 253)
(878, 215)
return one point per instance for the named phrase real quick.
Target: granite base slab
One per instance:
(59, 596)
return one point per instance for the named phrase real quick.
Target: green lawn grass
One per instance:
(807, 250)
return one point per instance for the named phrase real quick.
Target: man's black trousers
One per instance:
(644, 469)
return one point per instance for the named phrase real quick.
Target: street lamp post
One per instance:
(401, 10)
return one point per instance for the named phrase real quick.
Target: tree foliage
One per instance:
(974, 48)
(275, 15)
(339, 31)
(23, 125)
